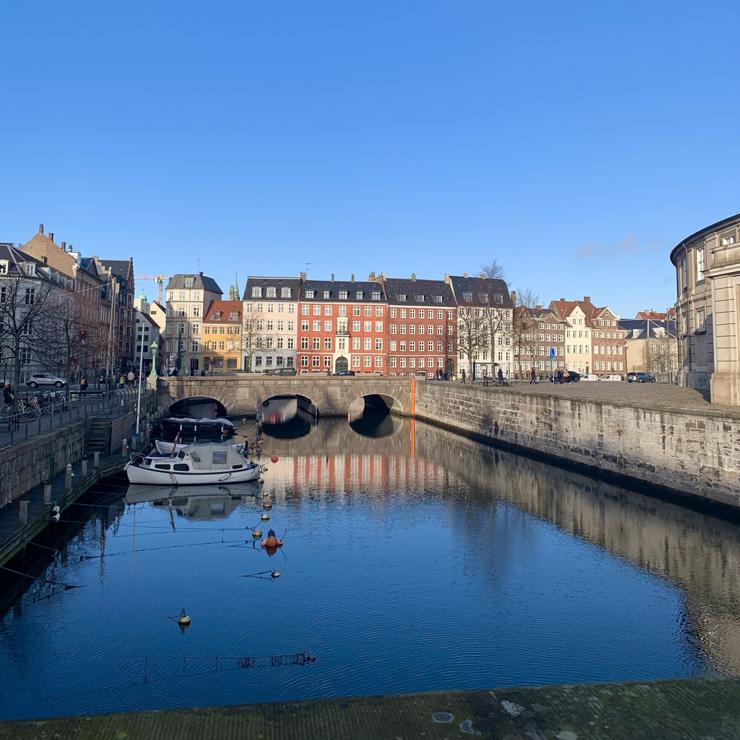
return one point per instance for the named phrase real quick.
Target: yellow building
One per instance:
(221, 348)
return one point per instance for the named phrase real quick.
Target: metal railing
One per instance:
(37, 414)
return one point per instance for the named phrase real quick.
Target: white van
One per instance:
(612, 377)
(589, 376)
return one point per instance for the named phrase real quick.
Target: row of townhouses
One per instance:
(62, 312)
(384, 325)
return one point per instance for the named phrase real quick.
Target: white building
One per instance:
(188, 296)
(270, 331)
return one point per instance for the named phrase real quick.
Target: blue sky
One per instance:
(575, 142)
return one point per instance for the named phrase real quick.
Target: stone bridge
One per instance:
(331, 396)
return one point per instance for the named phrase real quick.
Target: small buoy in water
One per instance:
(183, 620)
(265, 517)
(256, 533)
(275, 574)
(274, 459)
(267, 505)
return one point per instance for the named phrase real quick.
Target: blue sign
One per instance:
(552, 352)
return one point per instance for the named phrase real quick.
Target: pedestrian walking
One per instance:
(83, 383)
(121, 381)
(532, 376)
(131, 377)
(500, 376)
(463, 375)
(8, 397)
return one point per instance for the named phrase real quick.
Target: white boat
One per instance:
(196, 464)
(168, 448)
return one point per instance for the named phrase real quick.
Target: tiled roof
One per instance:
(646, 328)
(407, 292)
(481, 291)
(117, 267)
(278, 283)
(220, 311)
(333, 287)
(200, 282)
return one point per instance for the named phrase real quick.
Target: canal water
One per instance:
(414, 560)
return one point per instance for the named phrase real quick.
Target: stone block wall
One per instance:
(692, 453)
(29, 463)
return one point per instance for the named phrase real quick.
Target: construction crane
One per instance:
(158, 279)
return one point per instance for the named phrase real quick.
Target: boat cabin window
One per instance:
(181, 467)
(219, 457)
(236, 467)
(161, 466)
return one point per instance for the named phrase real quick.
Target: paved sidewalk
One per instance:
(679, 710)
(643, 395)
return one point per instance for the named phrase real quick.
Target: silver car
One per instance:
(38, 379)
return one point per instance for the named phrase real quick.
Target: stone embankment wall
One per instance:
(693, 453)
(31, 462)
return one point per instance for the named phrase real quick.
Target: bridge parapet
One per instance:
(332, 396)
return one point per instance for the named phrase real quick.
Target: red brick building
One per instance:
(422, 327)
(342, 325)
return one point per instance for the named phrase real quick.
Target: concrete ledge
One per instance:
(684, 709)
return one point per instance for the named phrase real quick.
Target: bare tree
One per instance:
(523, 323)
(471, 333)
(26, 307)
(492, 270)
(661, 357)
(252, 335)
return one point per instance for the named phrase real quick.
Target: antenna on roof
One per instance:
(311, 264)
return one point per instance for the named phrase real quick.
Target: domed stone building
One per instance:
(708, 310)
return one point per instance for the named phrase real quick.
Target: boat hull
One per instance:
(149, 476)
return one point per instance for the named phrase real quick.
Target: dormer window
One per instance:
(467, 296)
(189, 282)
(438, 299)
(343, 295)
(30, 268)
(402, 298)
(375, 295)
(326, 294)
(359, 295)
(256, 292)
(3, 267)
(310, 294)
(270, 292)
(419, 298)
(499, 299)
(285, 292)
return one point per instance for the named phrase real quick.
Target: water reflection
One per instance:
(413, 560)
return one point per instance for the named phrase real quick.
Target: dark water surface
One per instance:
(416, 560)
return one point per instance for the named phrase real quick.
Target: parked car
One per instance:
(38, 379)
(571, 377)
(639, 377)
(281, 371)
(345, 373)
(612, 377)
(589, 376)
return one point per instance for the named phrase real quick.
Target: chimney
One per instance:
(465, 274)
(41, 228)
(51, 235)
(538, 307)
(46, 260)
(352, 277)
(332, 277)
(587, 299)
(513, 297)
(413, 276)
(562, 300)
(302, 275)
(64, 246)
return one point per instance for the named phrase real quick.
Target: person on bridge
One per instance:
(500, 376)
(131, 377)
(532, 376)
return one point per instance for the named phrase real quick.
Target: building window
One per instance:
(310, 294)
(701, 326)
(402, 298)
(304, 361)
(327, 343)
(326, 294)
(393, 362)
(285, 293)
(699, 264)
(315, 361)
(359, 295)
(728, 239)
(343, 295)
(270, 292)
(316, 343)
(375, 295)
(256, 292)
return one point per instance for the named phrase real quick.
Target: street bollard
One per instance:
(23, 512)
(83, 465)
(68, 477)
(47, 493)
(96, 459)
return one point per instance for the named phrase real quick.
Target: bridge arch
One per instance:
(280, 407)
(379, 402)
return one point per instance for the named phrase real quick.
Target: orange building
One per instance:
(221, 347)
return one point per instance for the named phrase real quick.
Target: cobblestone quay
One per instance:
(675, 710)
